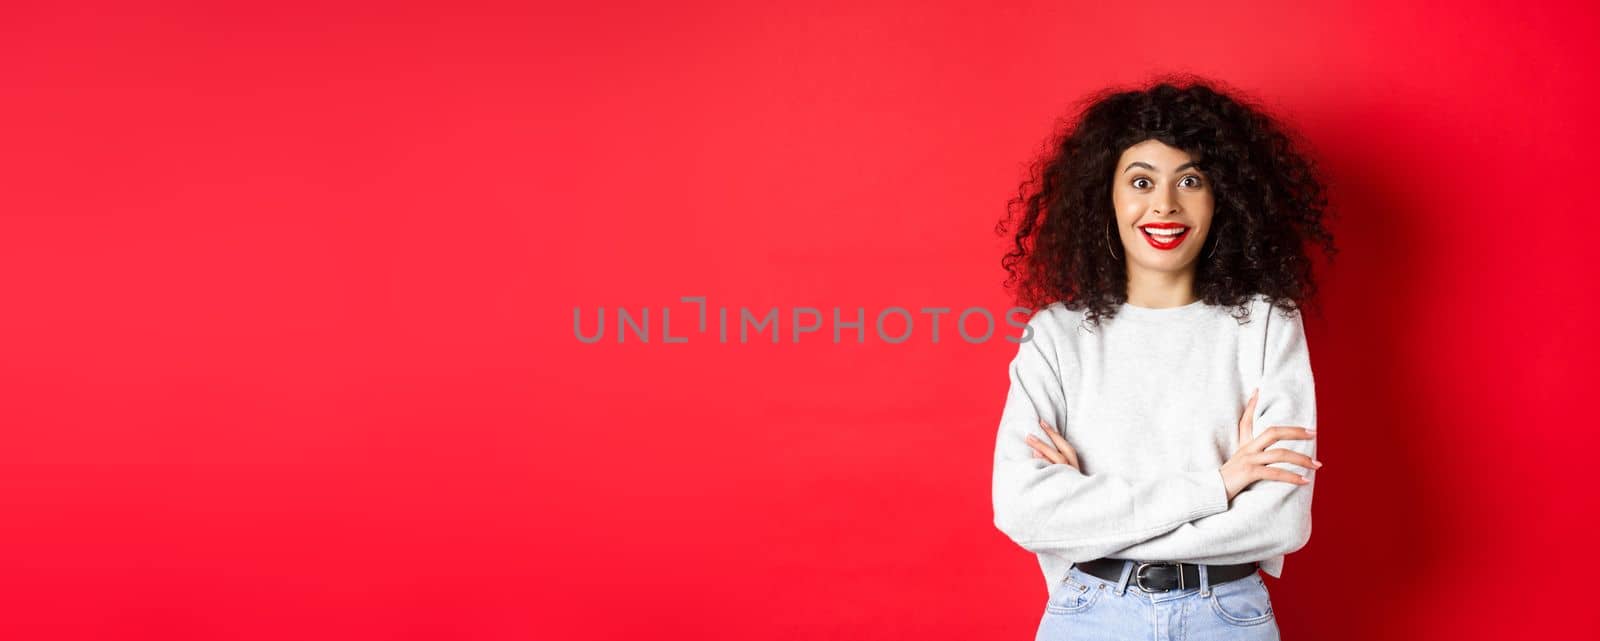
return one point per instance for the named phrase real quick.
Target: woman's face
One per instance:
(1154, 191)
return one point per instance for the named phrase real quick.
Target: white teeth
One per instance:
(1155, 231)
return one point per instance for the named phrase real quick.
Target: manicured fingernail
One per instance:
(1311, 431)
(1317, 463)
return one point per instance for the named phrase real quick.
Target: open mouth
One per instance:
(1165, 237)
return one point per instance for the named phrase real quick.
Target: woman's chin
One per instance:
(1165, 263)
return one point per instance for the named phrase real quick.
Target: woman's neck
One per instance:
(1156, 290)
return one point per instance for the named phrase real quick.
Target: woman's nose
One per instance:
(1163, 203)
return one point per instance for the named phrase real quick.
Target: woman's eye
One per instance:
(1187, 181)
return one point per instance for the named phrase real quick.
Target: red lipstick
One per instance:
(1164, 241)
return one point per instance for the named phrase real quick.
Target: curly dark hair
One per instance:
(1269, 202)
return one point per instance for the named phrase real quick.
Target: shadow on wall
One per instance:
(1368, 365)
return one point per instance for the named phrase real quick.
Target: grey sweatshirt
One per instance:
(1151, 402)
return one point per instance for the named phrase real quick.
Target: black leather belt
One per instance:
(1161, 576)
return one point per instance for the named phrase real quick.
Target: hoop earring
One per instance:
(1109, 244)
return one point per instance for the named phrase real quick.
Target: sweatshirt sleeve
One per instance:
(1270, 518)
(1053, 508)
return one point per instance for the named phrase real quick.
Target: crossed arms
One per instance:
(1053, 508)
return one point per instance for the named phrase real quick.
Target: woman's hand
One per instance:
(1250, 463)
(1061, 453)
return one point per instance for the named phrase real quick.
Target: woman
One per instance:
(1156, 450)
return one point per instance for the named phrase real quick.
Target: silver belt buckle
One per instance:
(1138, 574)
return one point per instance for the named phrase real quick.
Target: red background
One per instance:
(288, 347)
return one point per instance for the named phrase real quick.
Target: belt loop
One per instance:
(1127, 572)
(1205, 581)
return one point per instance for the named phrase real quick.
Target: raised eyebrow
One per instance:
(1181, 167)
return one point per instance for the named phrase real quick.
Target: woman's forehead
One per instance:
(1157, 156)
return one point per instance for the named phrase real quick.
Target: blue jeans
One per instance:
(1087, 607)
